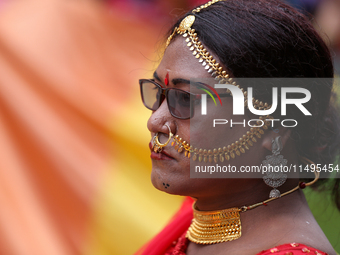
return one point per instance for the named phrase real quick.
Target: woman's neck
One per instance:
(254, 191)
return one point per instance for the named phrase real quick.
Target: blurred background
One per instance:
(74, 156)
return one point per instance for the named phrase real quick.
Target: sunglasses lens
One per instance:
(179, 103)
(151, 95)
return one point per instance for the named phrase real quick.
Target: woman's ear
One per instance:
(270, 135)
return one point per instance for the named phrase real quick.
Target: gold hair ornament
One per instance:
(210, 227)
(213, 67)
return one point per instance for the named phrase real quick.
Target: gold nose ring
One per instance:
(157, 146)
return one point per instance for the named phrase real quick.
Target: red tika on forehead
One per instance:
(166, 79)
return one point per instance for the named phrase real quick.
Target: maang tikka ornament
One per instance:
(212, 66)
(275, 162)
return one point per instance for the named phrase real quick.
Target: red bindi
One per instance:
(166, 79)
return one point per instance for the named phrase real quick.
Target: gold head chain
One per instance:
(216, 70)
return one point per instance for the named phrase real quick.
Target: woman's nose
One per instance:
(160, 117)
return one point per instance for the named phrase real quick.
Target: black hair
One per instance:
(267, 38)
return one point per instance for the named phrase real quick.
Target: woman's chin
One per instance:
(164, 182)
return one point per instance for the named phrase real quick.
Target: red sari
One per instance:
(179, 248)
(164, 244)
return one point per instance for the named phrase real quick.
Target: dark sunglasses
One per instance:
(180, 102)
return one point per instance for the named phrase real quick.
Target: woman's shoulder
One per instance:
(292, 249)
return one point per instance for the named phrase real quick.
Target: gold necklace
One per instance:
(215, 226)
(211, 227)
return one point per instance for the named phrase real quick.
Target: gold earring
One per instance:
(156, 145)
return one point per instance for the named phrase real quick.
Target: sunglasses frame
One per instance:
(164, 95)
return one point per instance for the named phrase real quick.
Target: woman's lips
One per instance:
(159, 156)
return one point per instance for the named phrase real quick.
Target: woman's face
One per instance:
(170, 169)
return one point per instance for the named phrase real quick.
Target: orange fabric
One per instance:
(66, 68)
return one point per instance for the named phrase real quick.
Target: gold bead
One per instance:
(205, 158)
(227, 156)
